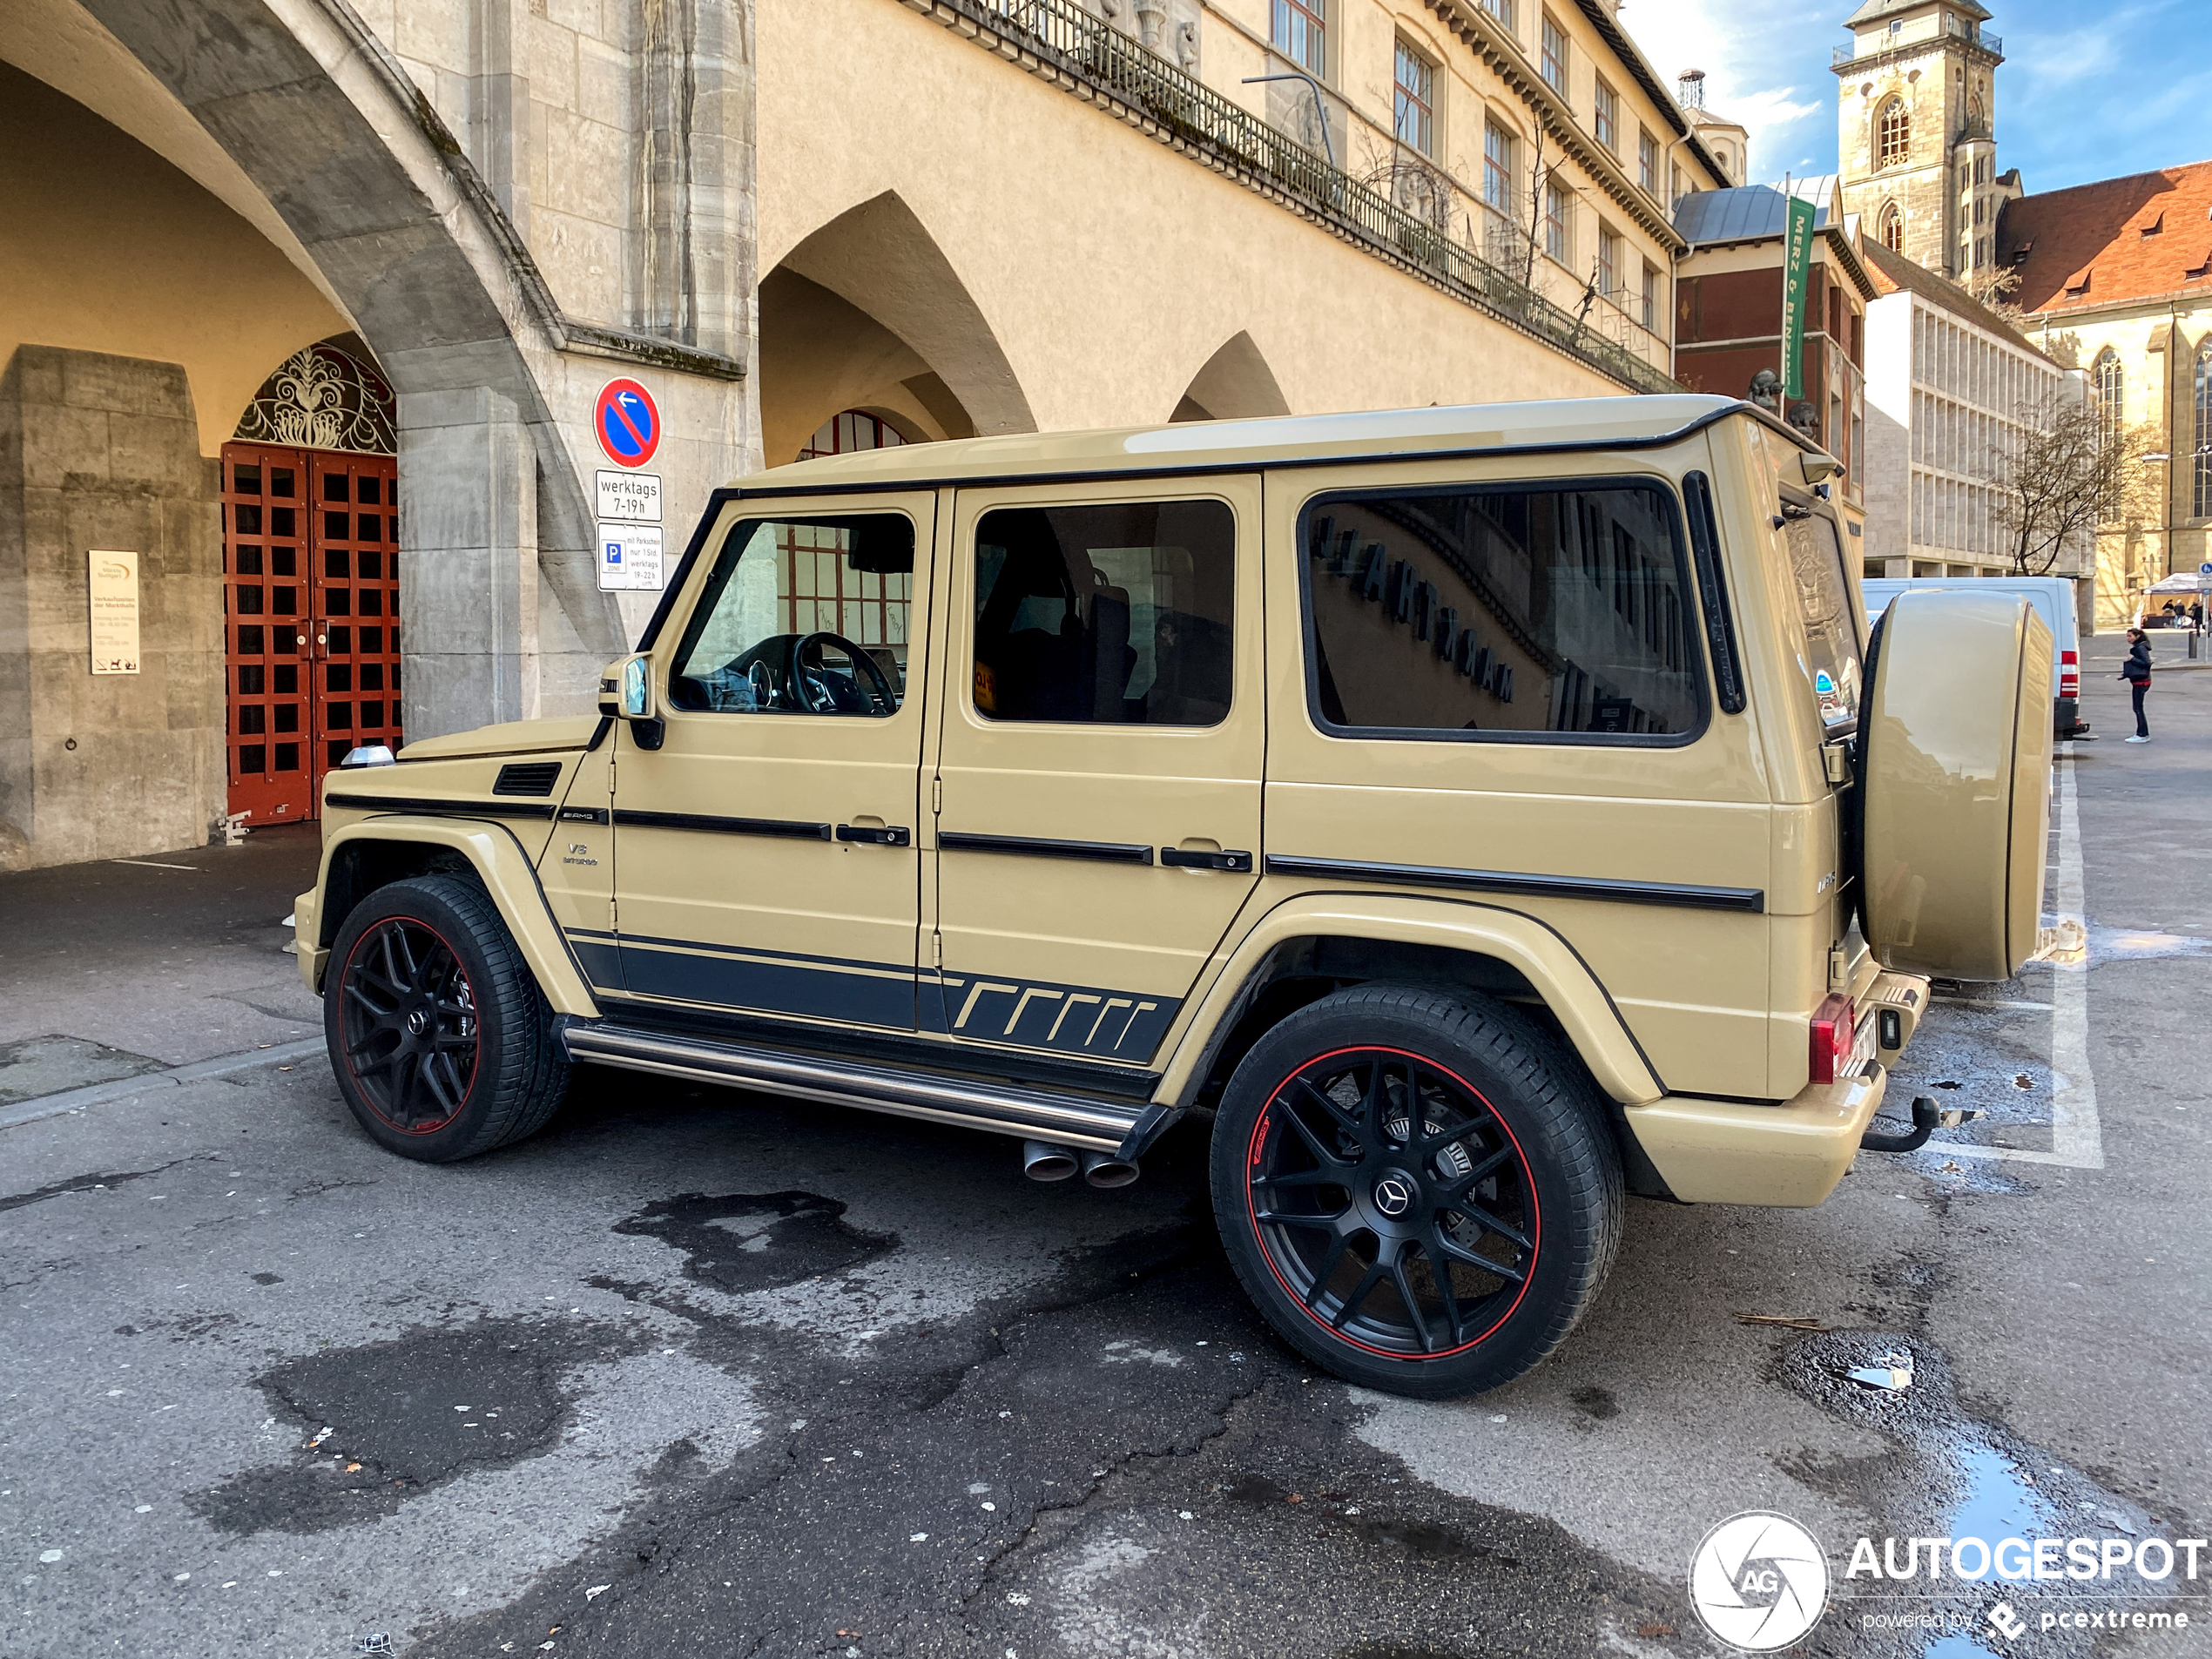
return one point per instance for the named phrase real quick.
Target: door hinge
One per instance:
(936, 948)
(614, 917)
(937, 794)
(610, 774)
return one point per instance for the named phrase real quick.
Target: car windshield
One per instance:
(1829, 653)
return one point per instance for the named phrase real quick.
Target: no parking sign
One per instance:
(627, 422)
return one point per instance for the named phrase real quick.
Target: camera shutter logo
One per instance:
(1758, 1582)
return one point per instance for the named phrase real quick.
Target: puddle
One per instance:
(757, 1241)
(1955, 1647)
(2001, 1501)
(2141, 944)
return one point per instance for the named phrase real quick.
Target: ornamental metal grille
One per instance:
(322, 398)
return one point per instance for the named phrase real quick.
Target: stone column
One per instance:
(103, 452)
(468, 577)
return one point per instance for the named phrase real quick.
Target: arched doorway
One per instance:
(311, 534)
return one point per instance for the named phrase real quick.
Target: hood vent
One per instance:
(534, 777)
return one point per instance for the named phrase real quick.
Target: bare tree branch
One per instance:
(2063, 478)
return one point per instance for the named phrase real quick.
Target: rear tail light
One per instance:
(2069, 673)
(1835, 1027)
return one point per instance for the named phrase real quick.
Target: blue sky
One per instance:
(2086, 92)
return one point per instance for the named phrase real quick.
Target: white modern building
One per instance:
(1949, 383)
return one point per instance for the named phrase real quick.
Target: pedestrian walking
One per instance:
(2137, 671)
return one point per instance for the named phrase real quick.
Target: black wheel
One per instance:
(1420, 1192)
(442, 1044)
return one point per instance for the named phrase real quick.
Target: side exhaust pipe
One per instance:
(1041, 1160)
(1104, 1170)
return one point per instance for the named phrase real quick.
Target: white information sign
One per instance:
(113, 585)
(629, 497)
(630, 558)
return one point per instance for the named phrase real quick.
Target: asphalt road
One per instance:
(695, 1372)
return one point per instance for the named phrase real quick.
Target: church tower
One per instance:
(1916, 112)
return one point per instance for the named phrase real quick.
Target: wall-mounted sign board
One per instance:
(112, 592)
(630, 558)
(628, 497)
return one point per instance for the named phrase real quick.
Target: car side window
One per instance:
(802, 616)
(1112, 614)
(1546, 611)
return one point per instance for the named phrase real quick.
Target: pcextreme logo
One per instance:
(1758, 1582)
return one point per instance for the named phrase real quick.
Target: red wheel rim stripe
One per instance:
(345, 1049)
(1529, 1177)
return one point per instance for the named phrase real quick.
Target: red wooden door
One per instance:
(265, 565)
(356, 625)
(310, 560)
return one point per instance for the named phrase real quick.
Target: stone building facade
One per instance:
(2115, 278)
(1916, 114)
(1951, 387)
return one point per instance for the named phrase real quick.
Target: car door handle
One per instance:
(892, 835)
(1235, 863)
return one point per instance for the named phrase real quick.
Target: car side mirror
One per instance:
(626, 694)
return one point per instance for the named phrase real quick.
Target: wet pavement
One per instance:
(695, 1372)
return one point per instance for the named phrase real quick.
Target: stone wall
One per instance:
(103, 452)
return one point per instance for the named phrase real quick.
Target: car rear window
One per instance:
(1558, 611)
(1830, 658)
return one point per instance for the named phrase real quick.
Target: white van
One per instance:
(2053, 597)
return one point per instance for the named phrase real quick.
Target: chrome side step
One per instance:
(1002, 1109)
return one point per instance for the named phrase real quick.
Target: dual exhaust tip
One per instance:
(1042, 1161)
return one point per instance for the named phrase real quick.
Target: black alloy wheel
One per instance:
(1416, 1186)
(1393, 1202)
(409, 1017)
(441, 1040)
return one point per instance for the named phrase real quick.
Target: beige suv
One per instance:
(1478, 813)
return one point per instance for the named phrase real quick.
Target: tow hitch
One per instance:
(1927, 1118)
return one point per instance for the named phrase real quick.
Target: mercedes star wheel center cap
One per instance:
(419, 1022)
(1394, 1194)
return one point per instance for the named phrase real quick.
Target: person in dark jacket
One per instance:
(2137, 671)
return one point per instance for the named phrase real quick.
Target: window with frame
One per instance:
(1647, 161)
(1551, 55)
(1414, 100)
(1556, 242)
(1105, 615)
(1497, 168)
(1650, 298)
(1831, 658)
(2110, 380)
(1892, 229)
(1608, 261)
(2200, 456)
(1300, 32)
(802, 616)
(1503, 10)
(1606, 117)
(1892, 132)
(1529, 611)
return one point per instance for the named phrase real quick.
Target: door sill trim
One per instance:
(1000, 1109)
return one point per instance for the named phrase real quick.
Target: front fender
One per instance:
(1544, 959)
(365, 855)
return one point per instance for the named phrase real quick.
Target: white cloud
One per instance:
(1763, 68)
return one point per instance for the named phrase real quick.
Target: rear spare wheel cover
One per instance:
(1954, 771)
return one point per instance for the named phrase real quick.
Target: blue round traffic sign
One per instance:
(628, 422)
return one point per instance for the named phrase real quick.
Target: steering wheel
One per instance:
(818, 686)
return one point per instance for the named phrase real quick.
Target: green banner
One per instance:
(1797, 276)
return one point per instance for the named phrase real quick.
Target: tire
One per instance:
(1507, 1119)
(441, 1040)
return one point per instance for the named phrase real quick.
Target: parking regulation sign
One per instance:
(628, 423)
(630, 558)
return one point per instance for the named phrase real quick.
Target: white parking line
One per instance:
(2077, 1138)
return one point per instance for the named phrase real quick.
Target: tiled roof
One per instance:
(2118, 240)
(1892, 272)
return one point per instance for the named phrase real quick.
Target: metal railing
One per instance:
(1072, 42)
(1841, 55)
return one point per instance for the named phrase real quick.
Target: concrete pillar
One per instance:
(103, 453)
(468, 576)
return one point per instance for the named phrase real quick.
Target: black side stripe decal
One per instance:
(1751, 899)
(445, 808)
(707, 824)
(1037, 847)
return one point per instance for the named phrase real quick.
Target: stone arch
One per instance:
(1889, 227)
(329, 135)
(868, 312)
(1235, 383)
(1892, 131)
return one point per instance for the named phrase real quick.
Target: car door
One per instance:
(1100, 758)
(765, 853)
